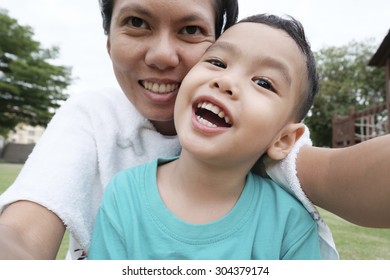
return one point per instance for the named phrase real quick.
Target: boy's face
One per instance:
(242, 95)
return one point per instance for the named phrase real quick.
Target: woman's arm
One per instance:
(353, 182)
(29, 231)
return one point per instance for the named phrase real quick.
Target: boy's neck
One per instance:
(198, 192)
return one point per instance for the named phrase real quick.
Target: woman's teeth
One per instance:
(160, 88)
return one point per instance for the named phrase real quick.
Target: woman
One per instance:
(152, 45)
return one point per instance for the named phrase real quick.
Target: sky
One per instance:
(75, 26)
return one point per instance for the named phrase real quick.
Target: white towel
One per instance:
(284, 173)
(91, 138)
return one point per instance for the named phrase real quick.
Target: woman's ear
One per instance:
(108, 45)
(290, 134)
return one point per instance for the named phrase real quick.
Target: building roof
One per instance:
(382, 54)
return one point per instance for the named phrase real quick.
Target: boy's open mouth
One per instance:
(211, 115)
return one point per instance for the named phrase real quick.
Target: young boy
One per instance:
(253, 86)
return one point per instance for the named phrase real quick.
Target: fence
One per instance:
(16, 153)
(359, 126)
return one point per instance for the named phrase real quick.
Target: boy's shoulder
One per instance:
(278, 195)
(134, 172)
(271, 185)
(140, 172)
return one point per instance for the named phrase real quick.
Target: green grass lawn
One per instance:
(353, 242)
(8, 173)
(358, 243)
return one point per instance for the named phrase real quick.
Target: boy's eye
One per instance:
(217, 63)
(264, 83)
(191, 30)
(137, 22)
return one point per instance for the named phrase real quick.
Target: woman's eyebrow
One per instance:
(134, 8)
(194, 17)
(142, 11)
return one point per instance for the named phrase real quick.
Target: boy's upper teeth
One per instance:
(160, 88)
(215, 109)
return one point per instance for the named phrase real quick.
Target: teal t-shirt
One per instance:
(266, 223)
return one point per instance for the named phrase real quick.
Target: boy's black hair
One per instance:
(295, 30)
(226, 12)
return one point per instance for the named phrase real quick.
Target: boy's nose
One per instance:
(226, 84)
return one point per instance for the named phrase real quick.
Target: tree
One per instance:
(31, 87)
(346, 82)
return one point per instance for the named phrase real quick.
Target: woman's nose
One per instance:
(162, 53)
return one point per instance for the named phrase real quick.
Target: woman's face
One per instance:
(152, 45)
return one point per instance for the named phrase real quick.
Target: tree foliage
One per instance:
(346, 82)
(30, 86)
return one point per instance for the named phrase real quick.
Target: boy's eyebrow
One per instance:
(226, 46)
(266, 60)
(278, 65)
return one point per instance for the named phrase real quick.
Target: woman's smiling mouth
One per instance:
(160, 88)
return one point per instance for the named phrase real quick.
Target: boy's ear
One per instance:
(290, 134)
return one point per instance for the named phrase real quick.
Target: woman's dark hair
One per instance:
(226, 14)
(295, 30)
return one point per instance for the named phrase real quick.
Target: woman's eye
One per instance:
(192, 30)
(264, 84)
(217, 63)
(137, 22)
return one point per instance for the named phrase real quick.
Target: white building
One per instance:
(25, 134)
